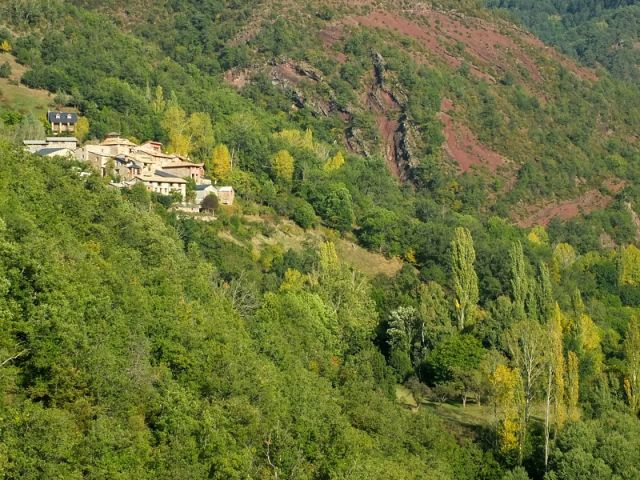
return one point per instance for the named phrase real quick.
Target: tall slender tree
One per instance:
(632, 365)
(525, 341)
(555, 370)
(520, 281)
(465, 279)
(573, 386)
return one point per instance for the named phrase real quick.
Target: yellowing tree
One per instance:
(283, 165)
(220, 164)
(573, 386)
(555, 379)
(293, 281)
(538, 235)
(174, 122)
(193, 134)
(629, 266)
(82, 128)
(506, 393)
(200, 130)
(5, 46)
(334, 163)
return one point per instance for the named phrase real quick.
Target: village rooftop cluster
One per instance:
(129, 163)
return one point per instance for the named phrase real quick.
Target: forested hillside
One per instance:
(599, 33)
(492, 180)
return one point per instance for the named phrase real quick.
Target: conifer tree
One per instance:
(465, 279)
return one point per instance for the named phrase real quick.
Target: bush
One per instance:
(304, 214)
(5, 70)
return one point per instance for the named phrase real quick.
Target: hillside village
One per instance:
(127, 163)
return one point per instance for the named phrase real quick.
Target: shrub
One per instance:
(5, 70)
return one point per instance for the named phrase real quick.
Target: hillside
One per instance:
(433, 208)
(125, 355)
(600, 33)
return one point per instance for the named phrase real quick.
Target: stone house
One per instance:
(33, 146)
(164, 183)
(55, 152)
(62, 121)
(182, 169)
(226, 195)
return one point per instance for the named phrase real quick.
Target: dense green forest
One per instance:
(136, 343)
(599, 33)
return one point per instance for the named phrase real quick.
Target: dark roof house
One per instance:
(62, 117)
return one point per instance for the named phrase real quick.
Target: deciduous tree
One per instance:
(632, 365)
(465, 279)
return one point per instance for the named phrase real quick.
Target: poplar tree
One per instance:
(506, 393)
(555, 380)
(220, 165)
(632, 367)
(283, 165)
(465, 279)
(545, 294)
(573, 387)
(520, 282)
(525, 341)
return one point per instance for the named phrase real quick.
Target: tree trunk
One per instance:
(547, 415)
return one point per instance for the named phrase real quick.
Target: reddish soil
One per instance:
(387, 113)
(288, 72)
(331, 35)
(493, 48)
(237, 78)
(462, 146)
(588, 202)
(388, 128)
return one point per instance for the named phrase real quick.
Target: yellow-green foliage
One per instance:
(297, 138)
(334, 163)
(82, 128)
(573, 387)
(506, 393)
(220, 163)
(632, 365)
(629, 266)
(283, 165)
